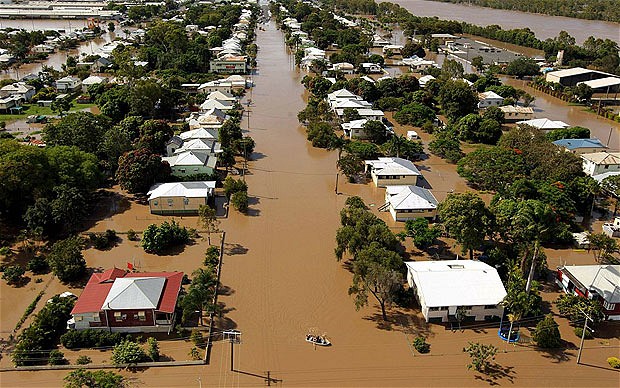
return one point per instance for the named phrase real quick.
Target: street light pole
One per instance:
(583, 334)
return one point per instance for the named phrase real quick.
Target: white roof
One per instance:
(134, 293)
(603, 82)
(545, 124)
(393, 166)
(456, 283)
(355, 104)
(222, 96)
(342, 94)
(200, 189)
(516, 109)
(93, 79)
(411, 197)
(17, 87)
(209, 145)
(199, 133)
(604, 279)
(570, 72)
(219, 104)
(610, 158)
(490, 95)
(354, 124)
(187, 158)
(370, 112)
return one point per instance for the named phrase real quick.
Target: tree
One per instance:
(423, 235)
(152, 349)
(239, 201)
(128, 352)
(519, 302)
(522, 67)
(375, 270)
(583, 92)
(375, 131)
(350, 114)
(207, 218)
(491, 168)
(56, 358)
(573, 307)
(139, 169)
(481, 356)
(61, 105)
(457, 99)
(154, 134)
(569, 133)
(69, 131)
(493, 113)
(478, 62)
(232, 186)
(13, 274)
(82, 378)
(547, 335)
(156, 239)
(321, 134)
(603, 247)
(414, 114)
(465, 218)
(452, 69)
(446, 146)
(413, 49)
(66, 260)
(200, 293)
(350, 165)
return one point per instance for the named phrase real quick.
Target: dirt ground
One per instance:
(281, 279)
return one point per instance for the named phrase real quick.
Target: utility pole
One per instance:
(199, 383)
(583, 335)
(234, 336)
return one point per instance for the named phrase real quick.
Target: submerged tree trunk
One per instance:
(383, 314)
(530, 276)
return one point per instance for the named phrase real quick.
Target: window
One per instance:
(182, 170)
(96, 317)
(117, 316)
(490, 306)
(142, 315)
(186, 201)
(444, 308)
(467, 307)
(606, 166)
(155, 203)
(78, 318)
(609, 306)
(433, 309)
(170, 202)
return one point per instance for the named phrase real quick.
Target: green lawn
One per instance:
(39, 111)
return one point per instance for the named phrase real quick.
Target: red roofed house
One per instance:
(128, 302)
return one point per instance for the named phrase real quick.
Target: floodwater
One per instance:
(543, 26)
(58, 58)
(280, 278)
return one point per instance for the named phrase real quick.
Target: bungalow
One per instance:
(598, 282)
(379, 41)
(514, 113)
(335, 97)
(355, 129)
(417, 64)
(136, 302)
(68, 84)
(100, 64)
(410, 202)
(229, 63)
(209, 146)
(92, 80)
(7, 103)
(221, 96)
(343, 67)
(392, 171)
(580, 146)
(371, 68)
(214, 86)
(223, 106)
(544, 124)
(191, 163)
(442, 287)
(21, 90)
(180, 197)
(200, 133)
(237, 81)
(487, 99)
(213, 118)
(371, 114)
(600, 162)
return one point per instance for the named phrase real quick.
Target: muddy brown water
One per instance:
(544, 26)
(281, 280)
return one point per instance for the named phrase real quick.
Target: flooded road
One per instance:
(543, 26)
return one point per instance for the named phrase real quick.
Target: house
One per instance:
(355, 129)
(410, 202)
(343, 67)
(580, 146)
(200, 133)
(191, 163)
(612, 229)
(209, 146)
(229, 63)
(514, 113)
(21, 90)
(442, 287)
(379, 41)
(100, 64)
(7, 104)
(42, 49)
(118, 301)
(339, 95)
(221, 96)
(214, 86)
(370, 114)
(173, 144)
(488, 99)
(213, 118)
(237, 81)
(223, 106)
(371, 68)
(392, 171)
(424, 80)
(180, 197)
(392, 48)
(544, 124)
(68, 84)
(598, 282)
(92, 80)
(600, 162)
(417, 63)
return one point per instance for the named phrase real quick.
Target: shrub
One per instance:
(128, 352)
(194, 353)
(83, 360)
(90, 338)
(579, 333)
(481, 355)
(66, 259)
(152, 348)
(38, 265)
(239, 201)
(547, 334)
(29, 310)
(156, 239)
(5, 251)
(85, 378)
(421, 345)
(614, 362)
(103, 240)
(13, 274)
(132, 235)
(212, 256)
(232, 186)
(56, 358)
(196, 337)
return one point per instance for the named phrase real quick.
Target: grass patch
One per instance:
(29, 310)
(35, 109)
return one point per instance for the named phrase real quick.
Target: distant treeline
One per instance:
(607, 10)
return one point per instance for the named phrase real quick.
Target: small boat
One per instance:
(318, 340)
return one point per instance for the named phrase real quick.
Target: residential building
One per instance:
(200, 133)
(580, 146)
(598, 282)
(191, 163)
(600, 162)
(20, 90)
(221, 96)
(229, 63)
(214, 86)
(544, 124)
(392, 48)
(180, 197)
(487, 99)
(418, 64)
(392, 171)
(223, 106)
(339, 95)
(118, 301)
(410, 202)
(370, 114)
(424, 80)
(514, 113)
(344, 67)
(209, 146)
(355, 129)
(92, 80)
(42, 49)
(68, 84)
(371, 68)
(100, 64)
(443, 287)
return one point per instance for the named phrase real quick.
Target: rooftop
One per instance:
(411, 197)
(604, 279)
(197, 189)
(393, 166)
(603, 157)
(545, 124)
(573, 144)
